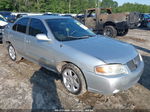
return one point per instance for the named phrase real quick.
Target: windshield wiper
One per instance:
(87, 36)
(83, 37)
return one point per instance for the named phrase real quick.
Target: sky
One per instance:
(120, 2)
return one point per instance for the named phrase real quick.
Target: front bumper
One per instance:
(113, 84)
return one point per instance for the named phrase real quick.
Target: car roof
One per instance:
(44, 17)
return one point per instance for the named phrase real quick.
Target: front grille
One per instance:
(133, 64)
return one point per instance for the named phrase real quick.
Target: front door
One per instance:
(37, 50)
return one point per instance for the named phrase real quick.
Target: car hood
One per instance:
(105, 49)
(3, 23)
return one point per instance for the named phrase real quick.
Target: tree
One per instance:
(130, 7)
(109, 4)
(66, 6)
(6, 5)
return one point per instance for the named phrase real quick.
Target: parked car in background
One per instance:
(3, 23)
(148, 21)
(148, 24)
(8, 15)
(21, 15)
(51, 14)
(84, 60)
(104, 21)
(145, 20)
(68, 15)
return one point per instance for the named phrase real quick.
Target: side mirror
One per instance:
(42, 37)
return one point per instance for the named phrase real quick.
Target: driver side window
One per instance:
(36, 27)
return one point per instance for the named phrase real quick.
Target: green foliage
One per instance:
(109, 4)
(130, 7)
(57, 6)
(6, 4)
(66, 6)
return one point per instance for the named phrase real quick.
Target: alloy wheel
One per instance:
(71, 80)
(12, 52)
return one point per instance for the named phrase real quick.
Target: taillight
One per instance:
(148, 20)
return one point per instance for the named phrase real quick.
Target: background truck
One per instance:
(103, 21)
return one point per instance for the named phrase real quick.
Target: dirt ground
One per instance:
(27, 86)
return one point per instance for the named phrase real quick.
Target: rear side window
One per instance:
(21, 25)
(36, 27)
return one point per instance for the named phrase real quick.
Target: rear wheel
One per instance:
(12, 53)
(73, 79)
(110, 31)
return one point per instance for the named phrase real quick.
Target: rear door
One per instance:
(18, 34)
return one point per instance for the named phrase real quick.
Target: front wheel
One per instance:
(110, 31)
(73, 79)
(123, 32)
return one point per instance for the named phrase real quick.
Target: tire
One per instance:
(110, 31)
(73, 79)
(13, 54)
(123, 32)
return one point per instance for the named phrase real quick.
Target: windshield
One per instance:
(65, 29)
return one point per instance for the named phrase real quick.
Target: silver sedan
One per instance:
(84, 60)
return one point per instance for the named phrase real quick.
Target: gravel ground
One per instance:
(27, 86)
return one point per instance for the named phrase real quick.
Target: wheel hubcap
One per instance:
(108, 32)
(12, 53)
(71, 80)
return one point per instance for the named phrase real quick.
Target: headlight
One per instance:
(112, 69)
